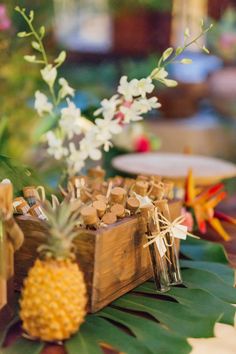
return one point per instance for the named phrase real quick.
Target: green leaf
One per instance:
(106, 332)
(23, 346)
(20, 175)
(202, 279)
(199, 300)
(230, 185)
(202, 250)
(221, 270)
(178, 318)
(150, 333)
(3, 334)
(45, 125)
(204, 302)
(83, 342)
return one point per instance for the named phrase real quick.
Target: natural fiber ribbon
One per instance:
(173, 228)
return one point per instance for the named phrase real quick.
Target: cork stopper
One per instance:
(117, 181)
(101, 198)
(118, 210)
(156, 179)
(142, 178)
(118, 195)
(109, 218)
(30, 192)
(96, 173)
(132, 204)
(145, 210)
(141, 188)
(100, 206)
(168, 189)
(157, 191)
(163, 207)
(96, 186)
(128, 183)
(77, 181)
(89, 215)
(85, 196)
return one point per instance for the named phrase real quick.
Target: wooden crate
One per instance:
(113, 259)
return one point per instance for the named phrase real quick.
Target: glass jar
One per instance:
(172, 251)
(150, 226)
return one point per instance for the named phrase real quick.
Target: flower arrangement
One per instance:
(201, 203)
(69, 141)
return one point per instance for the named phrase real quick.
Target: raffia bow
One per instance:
(175, 229)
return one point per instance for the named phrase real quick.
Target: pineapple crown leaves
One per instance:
(62, 221)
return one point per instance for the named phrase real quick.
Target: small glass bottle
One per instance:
(159, 263)
(37, 212)
(172, 252)
(31, 195)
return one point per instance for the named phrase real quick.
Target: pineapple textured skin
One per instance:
(53, 301)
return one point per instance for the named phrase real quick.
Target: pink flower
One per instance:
(142, 144)
(121, 116)
(5, 22)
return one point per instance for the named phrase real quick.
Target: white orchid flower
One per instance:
(108, 107)
(41, 104)
(65, 90)
(70, 121)
(107, 125)
(160, 74)
(89, 146)
(128, 89)
(145, 86)
(55, 146)
(145, 105)
(130, 114)
(49, 74)
(75, 160)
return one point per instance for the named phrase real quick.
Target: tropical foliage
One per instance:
(145, 321)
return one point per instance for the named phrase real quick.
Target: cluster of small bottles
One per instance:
(108, 201)
(29, 204)
(105, 202)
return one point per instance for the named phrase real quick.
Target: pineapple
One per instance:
(53, 300)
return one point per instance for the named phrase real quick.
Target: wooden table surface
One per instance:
(229, 207)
